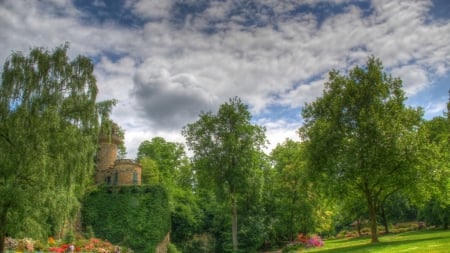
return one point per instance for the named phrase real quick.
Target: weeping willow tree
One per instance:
(49, 123)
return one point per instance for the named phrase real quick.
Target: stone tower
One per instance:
(111, 171)
(107, 154)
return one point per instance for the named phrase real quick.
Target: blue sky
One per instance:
(166, 61)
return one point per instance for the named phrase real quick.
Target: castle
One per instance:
(109, 169)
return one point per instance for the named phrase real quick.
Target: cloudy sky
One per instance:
(168, 60)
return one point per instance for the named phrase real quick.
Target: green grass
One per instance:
(433, 241)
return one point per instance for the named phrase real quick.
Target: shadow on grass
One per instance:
(354, 239)
(375, 247)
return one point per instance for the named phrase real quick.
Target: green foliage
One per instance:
(436, 161)
(135, 216)
(172, 249)
(361, 137)
(167, 155)
(225, 146)
(186, 216)
(166, 163)
(199, 243)
(295, 202)
(49, 122)
(150, 172)
(227, 154)
(436, 213)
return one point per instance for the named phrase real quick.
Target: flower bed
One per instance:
(303, 242)
(81, 245)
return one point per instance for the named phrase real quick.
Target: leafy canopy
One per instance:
(227, 153)
(361, 137)
(49, 122)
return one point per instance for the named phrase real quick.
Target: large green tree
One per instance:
(49, 122)
(227, 151)
(360, 136)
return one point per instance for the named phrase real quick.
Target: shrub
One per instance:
(200, 243)
(10, 243)
(172, 249)
(303, 242)
(83, 245)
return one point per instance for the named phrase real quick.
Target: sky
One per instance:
(166, 61)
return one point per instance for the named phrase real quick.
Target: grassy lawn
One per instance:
(417, 241)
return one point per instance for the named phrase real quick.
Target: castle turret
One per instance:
(107, 154)
(111, 171)
(126, 172)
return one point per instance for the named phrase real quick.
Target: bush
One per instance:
(10, 243)
(172, 249)
(200, 243)
(293, 247)
(303, 242)
(60, 246)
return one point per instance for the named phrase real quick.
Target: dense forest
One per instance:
(365, 160)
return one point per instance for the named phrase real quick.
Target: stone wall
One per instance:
(164, 245)
(127, 171)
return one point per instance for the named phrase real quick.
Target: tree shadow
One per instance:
(353, 239)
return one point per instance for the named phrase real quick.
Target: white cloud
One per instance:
(151, 8)
(164, 75)
(278, 131)
(414, 78)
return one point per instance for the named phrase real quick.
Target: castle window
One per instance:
(108, 180)
(135, 177)
(116, 178)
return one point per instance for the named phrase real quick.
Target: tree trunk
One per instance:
(373, 219)
(384, 218)
(291, 228)
(234, 224)
(3, 229)
(358, 226)
(2, 241)
(446, 221)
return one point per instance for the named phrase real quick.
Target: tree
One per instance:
(150, 172)
(48, 135)
(166, 163)
(436, 159)
(295, 198)
(168, 156)
(226, 149)
(360, 136)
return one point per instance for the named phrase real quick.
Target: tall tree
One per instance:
(226, 149)
(360, 135)
(48, 134)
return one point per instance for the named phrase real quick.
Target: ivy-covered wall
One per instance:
(134, 216)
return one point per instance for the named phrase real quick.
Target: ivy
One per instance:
(134, 216)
